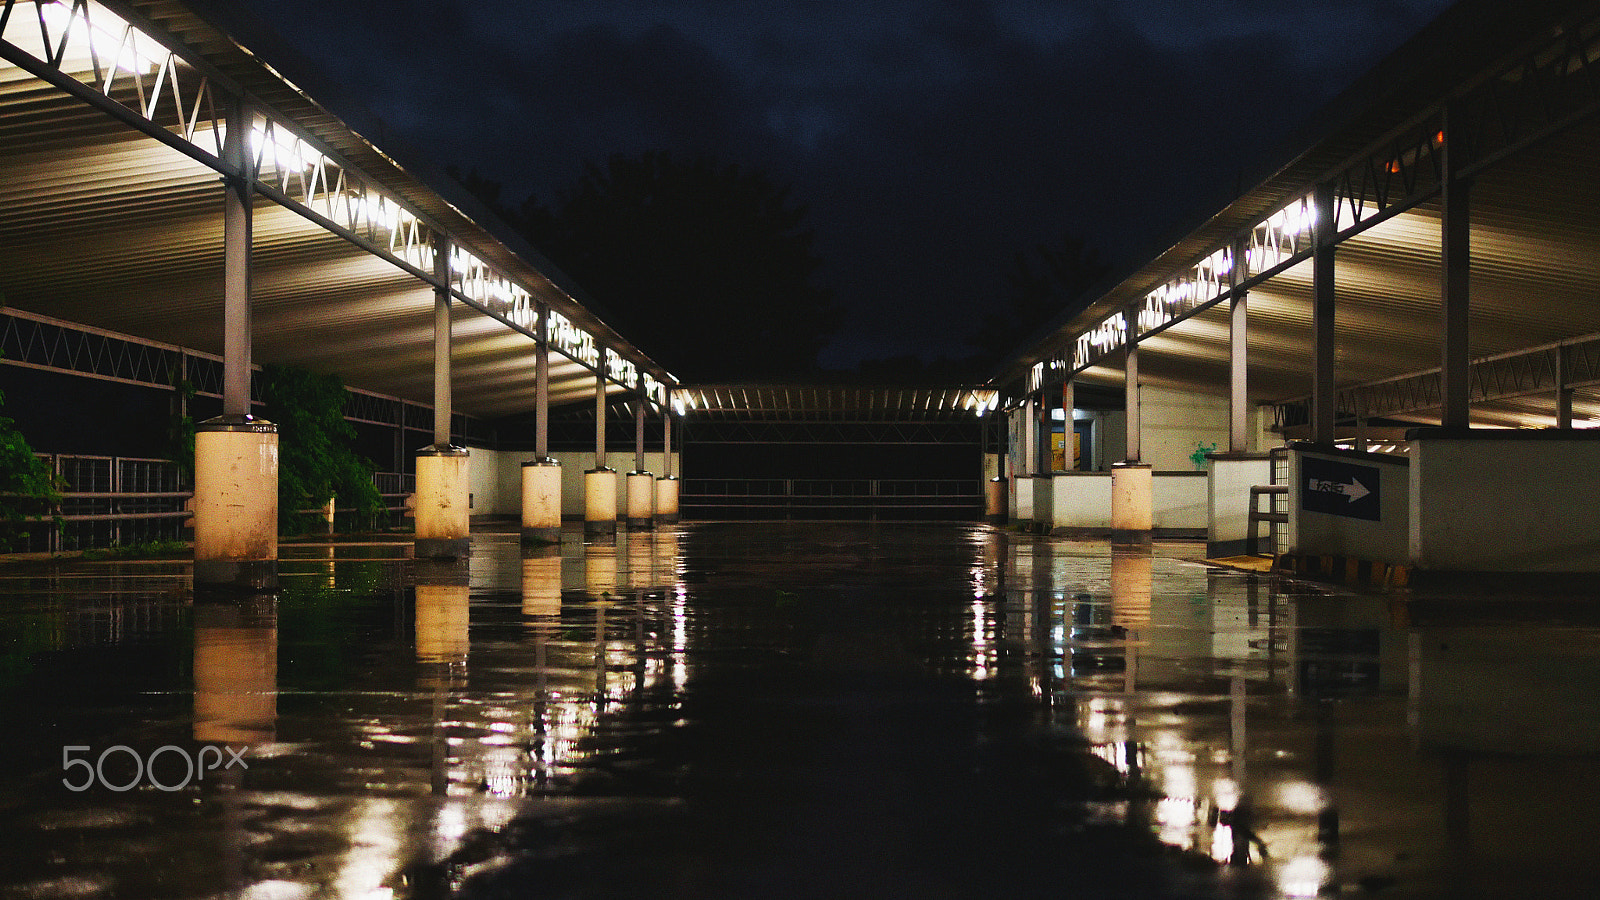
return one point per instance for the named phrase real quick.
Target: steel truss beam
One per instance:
(32, 341)
(1520, 373)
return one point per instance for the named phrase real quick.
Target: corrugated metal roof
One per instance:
(104, 225)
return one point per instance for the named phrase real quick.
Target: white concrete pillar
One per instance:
(443, 498)
(236, 504)
(667, 500)
(641, 500)
(541, 500)
(600, 501)
(1043, 488)
(1130, 504)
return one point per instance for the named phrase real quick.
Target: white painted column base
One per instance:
(641, 500)
(236, 504)
(1130, 504)
(667, 500)
(443, 517)
(600, 501)
(541, 501)
(994, 501)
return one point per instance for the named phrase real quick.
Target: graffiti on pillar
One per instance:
(1339, 488)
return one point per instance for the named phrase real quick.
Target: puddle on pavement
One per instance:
(787, 710)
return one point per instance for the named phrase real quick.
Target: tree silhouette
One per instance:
(708, 268)
(1045, 282)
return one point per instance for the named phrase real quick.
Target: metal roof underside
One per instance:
(1535, 236)
(833, 403)
(105, 226)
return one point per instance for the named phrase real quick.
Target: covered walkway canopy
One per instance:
(114, 156)
(1429, 251)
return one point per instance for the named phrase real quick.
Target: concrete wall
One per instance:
(1082, 502)
(1505, 502)
(1176, 422)
(1228, 502)
(1178, 501)
(1317, 532)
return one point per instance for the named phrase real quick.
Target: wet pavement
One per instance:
(789, 710)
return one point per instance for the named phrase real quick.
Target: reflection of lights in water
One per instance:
(1176, 811)
(680, 635)
(1226, 794)
(979, 581)
(373, 853)
(981, 657)
(1303, 876)
(1301, 797)
(1222, 843)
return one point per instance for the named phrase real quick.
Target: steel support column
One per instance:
(1563, 367)
(1456, 261)
(444, 491)
(541, 379)
(441, 345)
(237, 236)
(1131, 384)
(1238, 357)
(1322, 319)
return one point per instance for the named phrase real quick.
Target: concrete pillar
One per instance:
(600, 482)
(600, 501)
(994, 500)
(667, 499)
(1135, 430)
(541, 476)
(1130, 504)
(443, 491)
(641, 500)
(236, 454)
(236, 504)
(541, 500)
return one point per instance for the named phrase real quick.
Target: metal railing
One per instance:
(110, 501)
(832, 498)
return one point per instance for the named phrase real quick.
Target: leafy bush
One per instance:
(316, 461)
(28, 490)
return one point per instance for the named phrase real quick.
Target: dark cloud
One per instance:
(931, 140)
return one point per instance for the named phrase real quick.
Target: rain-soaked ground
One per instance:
(774, 710)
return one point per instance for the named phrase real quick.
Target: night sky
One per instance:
(931, 139)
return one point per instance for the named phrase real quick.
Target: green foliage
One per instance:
(28, 490)
(180, 433)
(315, 459)
(142, 550)
(1198, 457)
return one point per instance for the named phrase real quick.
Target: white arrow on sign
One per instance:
(1352, 492)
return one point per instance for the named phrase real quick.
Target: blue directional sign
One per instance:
(1339, 488)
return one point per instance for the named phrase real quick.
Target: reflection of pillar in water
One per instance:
(236, 671)
(600, 653)
(1328, 816)
(541, 584)
(1130, 604)
(641, 554)
(664, 562)
(1130, 589)
(599, 569)
(1236, 708)
(442, 620)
